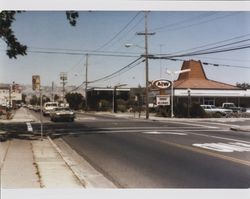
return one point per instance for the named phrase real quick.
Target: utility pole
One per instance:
(86, 83)
(63, 77)
(146, 33)
(52, 92)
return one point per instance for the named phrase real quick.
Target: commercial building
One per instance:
(192, 86)
(105, 98)
(198, 88)
(9, 95)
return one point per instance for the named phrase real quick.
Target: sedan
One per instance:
(62, 113)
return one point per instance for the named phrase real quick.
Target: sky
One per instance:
(55, 47)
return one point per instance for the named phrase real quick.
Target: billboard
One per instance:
(36, 82)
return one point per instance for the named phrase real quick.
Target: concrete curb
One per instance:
(238, 128)
(68, 162)
(85, 173)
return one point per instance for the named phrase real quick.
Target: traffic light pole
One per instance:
(41, 113)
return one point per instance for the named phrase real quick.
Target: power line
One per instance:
(214, 43)
(112, 75)
(229, 44)
(117, 72)
(116, 35)
(184, 21)
(198, 23)
(216, 51)
(81, 53)
(208, 63)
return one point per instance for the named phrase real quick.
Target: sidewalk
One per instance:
(36, 163)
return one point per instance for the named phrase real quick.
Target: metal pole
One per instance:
(146, 64)
(41, 117)
(188, 105)
(52, 92)
(86, 83)
(113, 104)
(172, 95)
(10, 97)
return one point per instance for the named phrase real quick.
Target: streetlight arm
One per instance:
(182, 71)
(130, 45)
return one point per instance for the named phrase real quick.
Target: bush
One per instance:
(180, 110)
(163, 111)
(197, 111)
(105, 105)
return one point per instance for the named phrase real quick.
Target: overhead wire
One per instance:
(211, 44)
(201, 22)
(183, 21)
(112, 75)
(118, 33)
(118, 71)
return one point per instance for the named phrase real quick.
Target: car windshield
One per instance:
(51, 104)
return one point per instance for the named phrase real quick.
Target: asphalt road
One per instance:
(152, 154)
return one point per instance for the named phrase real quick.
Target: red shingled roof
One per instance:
(196, 78)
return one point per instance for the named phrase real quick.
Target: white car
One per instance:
(214, 109)
(48, 107)
(62, 113)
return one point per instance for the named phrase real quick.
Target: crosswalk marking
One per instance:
(170, 133)
(225, 147)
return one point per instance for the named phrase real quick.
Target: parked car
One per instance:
(48, 107)
(214, 109)
(62, 113)
(229, 105)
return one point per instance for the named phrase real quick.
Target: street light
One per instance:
(172, 73)
(145, 34)
(188, 105)
(114, 94)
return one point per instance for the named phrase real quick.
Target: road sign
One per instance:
(162, 100)
(35, 82)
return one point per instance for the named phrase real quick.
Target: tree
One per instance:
(243, 85)
(34, 100)
(24, 98)
(56, 97)
(75, 100)
(14, 47)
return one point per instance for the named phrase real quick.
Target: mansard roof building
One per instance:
(196, 85)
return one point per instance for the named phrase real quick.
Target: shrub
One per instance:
(180, 110)
(197, 111)
(104, 105)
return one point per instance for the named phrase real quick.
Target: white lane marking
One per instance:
(225, 147)
(211, 136)
(193, 124)
(170, 133)
(85, 118)
(29, 127)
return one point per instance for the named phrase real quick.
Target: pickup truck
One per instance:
(214, 109)
(232, 106)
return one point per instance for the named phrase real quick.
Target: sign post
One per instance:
(36, 86)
